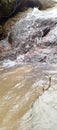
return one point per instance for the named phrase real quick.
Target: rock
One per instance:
(1, 30)
(8, 7)
(46, 31)
(3, 33)
(47, 3)
(34, 3)
(25, 38)
(36, 29)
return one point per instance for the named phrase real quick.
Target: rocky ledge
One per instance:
(34, 36)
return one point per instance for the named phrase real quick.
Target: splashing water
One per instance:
(28, 94)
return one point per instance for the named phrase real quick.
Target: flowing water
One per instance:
(28, 93)
(25, 101)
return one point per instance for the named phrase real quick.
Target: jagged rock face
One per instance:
(8, 7)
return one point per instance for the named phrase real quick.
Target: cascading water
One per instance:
(28, 93)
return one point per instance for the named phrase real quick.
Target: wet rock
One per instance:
(3, 33)
(24, 38)
(34, 3)
(8, 7)
(45, 31)
(37, 29)
(47, 3)
(1, 30)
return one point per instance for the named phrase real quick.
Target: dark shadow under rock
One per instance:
(34, 3)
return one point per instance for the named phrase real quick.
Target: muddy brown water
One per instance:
(28, 93)
(26, 101)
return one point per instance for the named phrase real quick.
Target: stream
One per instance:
(28, 71)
